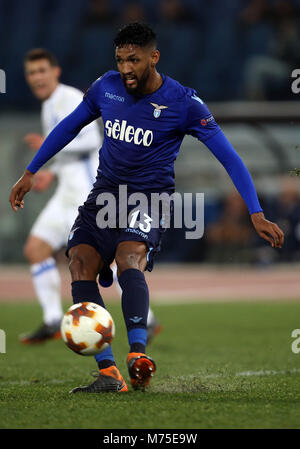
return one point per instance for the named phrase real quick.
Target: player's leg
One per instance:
(89, 248)
(85, 264)
(153, 325)
(46, 281)
(131, 259)
(47, 235)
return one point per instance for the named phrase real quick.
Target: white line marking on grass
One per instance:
(268, 372)
(243, 374)
(32, 382)
(190, 376)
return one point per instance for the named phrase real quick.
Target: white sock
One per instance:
(115, 278)
(46, 281)
(150, 317)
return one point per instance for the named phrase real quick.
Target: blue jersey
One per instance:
(142, 135)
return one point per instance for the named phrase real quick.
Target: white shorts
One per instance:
(75, 181)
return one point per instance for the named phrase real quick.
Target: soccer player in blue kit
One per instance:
(146, 116)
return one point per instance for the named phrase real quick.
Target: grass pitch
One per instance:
(219, 365)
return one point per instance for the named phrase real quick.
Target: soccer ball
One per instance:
(87, 328)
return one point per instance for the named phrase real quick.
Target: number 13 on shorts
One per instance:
(144, 225)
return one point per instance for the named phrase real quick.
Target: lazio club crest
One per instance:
(158, 109)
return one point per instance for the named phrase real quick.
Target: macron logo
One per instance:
(114, 97)
(127, 133)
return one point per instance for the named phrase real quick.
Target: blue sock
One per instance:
(89, 291)
(135, 306)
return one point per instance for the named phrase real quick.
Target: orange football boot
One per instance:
(108, 380)
(141, 369)
(43, 333)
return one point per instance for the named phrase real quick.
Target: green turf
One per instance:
(201, 356)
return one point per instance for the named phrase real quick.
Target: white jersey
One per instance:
(75, 167)
(61, 103)
(83, 149)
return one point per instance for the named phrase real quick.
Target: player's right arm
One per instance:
(202, 125)
(60, 136)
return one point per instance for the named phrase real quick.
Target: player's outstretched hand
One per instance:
(20, 189)
(268, 230)
(34, 141)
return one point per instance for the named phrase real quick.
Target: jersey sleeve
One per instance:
(222, 149)
(200, 123)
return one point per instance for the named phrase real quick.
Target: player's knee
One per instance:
(34, 251)
(125, 261)
(27, 251)
(131, 256)
(82, 266)
(78, 267)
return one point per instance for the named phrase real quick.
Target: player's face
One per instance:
(136, 64)
(41, 77)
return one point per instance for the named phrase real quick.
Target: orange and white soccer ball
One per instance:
(87, 328)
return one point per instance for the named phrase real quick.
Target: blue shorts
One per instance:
(105, 240)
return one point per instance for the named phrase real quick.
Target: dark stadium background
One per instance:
(238, 54)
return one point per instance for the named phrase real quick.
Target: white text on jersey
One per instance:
(128, 133)
(114, 97)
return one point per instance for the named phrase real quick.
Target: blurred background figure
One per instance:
(100, 12)
(75, 168)
(174, 11)
(267, 73)
(133, 11)
(230, 237)
(285, 208)
(287, 211)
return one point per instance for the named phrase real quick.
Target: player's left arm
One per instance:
(201, 124)
(222, 149)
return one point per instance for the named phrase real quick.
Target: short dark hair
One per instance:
(135, 33)
(41, 53)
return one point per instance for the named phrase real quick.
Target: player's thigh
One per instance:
(85, 262)
(36, 249)
(131, 254)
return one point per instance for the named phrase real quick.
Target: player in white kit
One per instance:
(75, 169)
